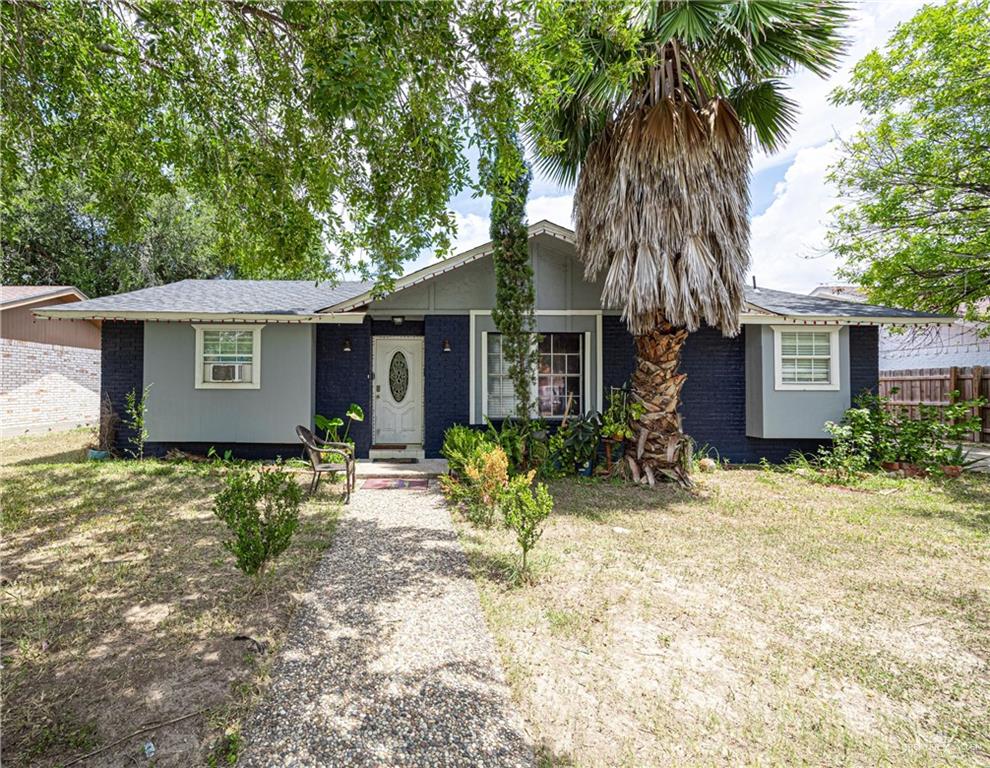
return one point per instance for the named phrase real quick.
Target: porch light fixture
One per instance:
(397, 319)
(446, 346)
(347, 345)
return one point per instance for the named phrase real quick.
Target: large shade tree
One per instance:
(658, 109)
(324, 136)
(914, 227)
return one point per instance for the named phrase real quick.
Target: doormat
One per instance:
(386, 483)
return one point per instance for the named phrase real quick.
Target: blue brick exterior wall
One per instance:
(342, 377)
(713, 400)
(618, 354)
(447, 376)
(864, 359)
(388, 328)
(121, 369)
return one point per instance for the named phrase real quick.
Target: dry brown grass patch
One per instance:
(121, 609)
(761, 620)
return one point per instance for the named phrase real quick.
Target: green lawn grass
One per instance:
(759, 620)
(120, 608)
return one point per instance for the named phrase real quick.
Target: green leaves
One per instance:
(915, 230)
(323, 137)
(739, 51)
(763, 106)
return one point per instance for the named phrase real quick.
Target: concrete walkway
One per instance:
(389, 660)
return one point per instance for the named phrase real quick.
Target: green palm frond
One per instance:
(765, 110)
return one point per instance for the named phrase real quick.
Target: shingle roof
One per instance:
(10, 294)
(799, 304)
(263, 297)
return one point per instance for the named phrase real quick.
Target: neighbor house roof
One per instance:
(18, 295)
(304, 300)
(243, 299)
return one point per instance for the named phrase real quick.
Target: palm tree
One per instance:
(661, 157)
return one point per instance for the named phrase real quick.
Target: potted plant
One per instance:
(617, 420)
(952, 461)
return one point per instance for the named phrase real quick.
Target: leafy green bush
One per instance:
(875, 432)
(581, 438)
(460, 445)
(261, 509)
(524, 510)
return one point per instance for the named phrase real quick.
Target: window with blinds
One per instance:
(805, 357)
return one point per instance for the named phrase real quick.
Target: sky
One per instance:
(791, 198)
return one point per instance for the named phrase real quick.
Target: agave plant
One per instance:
(655, 121)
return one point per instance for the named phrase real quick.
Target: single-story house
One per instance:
(237, 364)
(49, 372)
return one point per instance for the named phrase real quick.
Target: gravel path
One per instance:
(389, 660)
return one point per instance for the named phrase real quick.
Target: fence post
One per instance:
(977, 389)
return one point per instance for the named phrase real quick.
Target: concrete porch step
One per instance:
(367, 468)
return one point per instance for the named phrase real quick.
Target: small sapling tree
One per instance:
(261, 509)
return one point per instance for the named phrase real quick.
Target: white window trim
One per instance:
(534, 385)
(255, 358)
(835, 374)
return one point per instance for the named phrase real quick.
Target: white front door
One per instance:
(398, 390)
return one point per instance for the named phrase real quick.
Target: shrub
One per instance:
(485, 478)
(460, 445)
(524, 510)
(261, 509)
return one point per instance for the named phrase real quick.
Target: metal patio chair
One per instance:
(341, 459)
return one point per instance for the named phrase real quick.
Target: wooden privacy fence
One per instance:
(931, 386)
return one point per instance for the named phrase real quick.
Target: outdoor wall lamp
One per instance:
(446, 346)
(347, 345)
(397, 319)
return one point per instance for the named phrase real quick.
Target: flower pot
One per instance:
(913, 470)
(96, 455)
(890, 466)
(951, 470)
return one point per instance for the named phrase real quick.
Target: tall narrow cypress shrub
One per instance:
(515, 297)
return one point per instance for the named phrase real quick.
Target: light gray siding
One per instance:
(178, 412)
(789, 413)
(558, 278)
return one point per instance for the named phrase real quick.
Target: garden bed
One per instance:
(760, 620)
(120, 608)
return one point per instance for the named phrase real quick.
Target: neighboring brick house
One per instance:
(237, 364)
(49, 369)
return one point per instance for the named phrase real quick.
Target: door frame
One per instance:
(422, 395)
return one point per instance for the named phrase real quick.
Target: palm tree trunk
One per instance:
(660, 446)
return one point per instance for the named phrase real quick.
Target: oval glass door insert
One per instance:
(398, 377)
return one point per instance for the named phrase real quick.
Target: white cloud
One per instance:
(555, 209)
(788, 239)
(818, 120)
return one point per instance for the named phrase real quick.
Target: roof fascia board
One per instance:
(44, 297)
(842, 320)
(213, 317)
